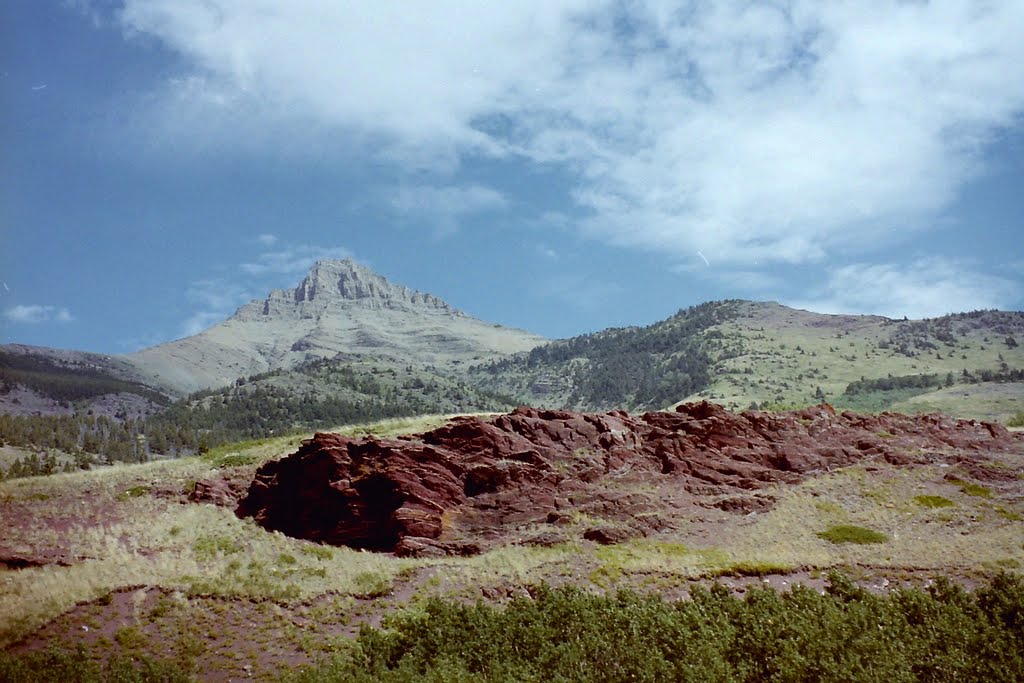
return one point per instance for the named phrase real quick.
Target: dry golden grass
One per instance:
(116, 534)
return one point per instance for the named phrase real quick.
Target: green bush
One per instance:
(845, 634)
(847, 533)
(75, 666)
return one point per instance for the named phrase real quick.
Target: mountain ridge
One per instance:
(740, 353)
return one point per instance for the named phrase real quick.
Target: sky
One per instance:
(554, 165)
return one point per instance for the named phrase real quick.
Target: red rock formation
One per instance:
(476, 482)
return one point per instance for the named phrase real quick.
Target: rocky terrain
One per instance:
(478, 483)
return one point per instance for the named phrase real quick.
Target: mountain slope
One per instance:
(52, 381)
(340, 307)
(322, 394)
(739, 353)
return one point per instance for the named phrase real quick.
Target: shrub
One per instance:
(570, 635)
(75, 666)
(567, 634)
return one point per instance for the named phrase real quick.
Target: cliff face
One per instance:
(340, 307)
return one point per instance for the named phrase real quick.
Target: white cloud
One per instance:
(294, 260)
(35, 314)
(749, 131)
(925, 288)
(444, 207)
(217, 293)
(267, 240)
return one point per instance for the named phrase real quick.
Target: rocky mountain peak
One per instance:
(340, 307)
(344, 280)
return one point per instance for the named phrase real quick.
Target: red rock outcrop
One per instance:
(475, 482)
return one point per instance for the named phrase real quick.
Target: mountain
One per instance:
(340, 309)
(741, 353)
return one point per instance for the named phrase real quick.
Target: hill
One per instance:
(36, 380)
(743, 354)
(319, 394)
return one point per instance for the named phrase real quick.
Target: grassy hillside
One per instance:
(317, 395)
(633, 368)
(783, 357)
(741, 353)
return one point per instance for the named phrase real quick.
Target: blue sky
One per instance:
(560, 166)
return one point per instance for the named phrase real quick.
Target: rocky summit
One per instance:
(527, 476)
(340, 308)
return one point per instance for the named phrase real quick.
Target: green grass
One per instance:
(1009, 514)
(133, 492)
(933, 501)
(972, 489)
(848, 533)
(1016, 421)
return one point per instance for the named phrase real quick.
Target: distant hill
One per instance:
(742, 353)
(341, 308)
(55, 382)
(323, 394)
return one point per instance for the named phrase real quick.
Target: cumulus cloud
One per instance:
(444, 207)
(778, 132)
(925, 288)
(35, 314)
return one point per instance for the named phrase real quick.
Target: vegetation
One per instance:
(973, 489)
(75, 666)
(567, 634)
(847, 533)
(933, 501)
(891, 383)
(633, 367)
